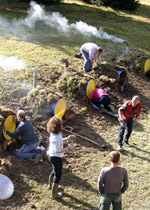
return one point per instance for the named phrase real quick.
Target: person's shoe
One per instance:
(120, 148)
(55, 193)
(44, 154)
(38, 158)
(60, 188)
(95, 107)
(127, 144)
(78, 55)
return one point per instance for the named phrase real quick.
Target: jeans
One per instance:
(87, 63)
(28, 151)
(129, 124)
(108, 198)
(104, 100)
(56, 168)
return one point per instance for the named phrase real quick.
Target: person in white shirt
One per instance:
(91, 53)
(55, 153)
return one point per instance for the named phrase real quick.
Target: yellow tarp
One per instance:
(10, 126)
(90, 87)
(60, 108)
(147, 66)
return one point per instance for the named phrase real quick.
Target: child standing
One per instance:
(55, 154)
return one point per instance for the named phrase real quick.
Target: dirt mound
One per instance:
(134, 62)
(72, 83)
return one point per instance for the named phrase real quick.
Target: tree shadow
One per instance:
(143, 11)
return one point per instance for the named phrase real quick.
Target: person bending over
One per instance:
(100, 99)
(91, 53)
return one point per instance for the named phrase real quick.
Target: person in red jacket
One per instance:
(127, 112)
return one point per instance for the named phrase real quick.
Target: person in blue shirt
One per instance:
(30, 149)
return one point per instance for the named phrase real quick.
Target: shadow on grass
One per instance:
(139, 149)
(135, 89)
(80, 204)
(70, 179)
(138, 127)
(143, 11)
(132, 154)
(81, 127)
(24, 175)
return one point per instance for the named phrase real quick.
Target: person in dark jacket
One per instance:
(127, 112)
(30, 149)
(112, 182)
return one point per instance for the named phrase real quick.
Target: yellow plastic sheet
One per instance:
(147, 66)
(90, 87)
(10, 126)
(60, 108)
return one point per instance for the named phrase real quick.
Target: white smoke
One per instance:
(11, 63)
(24, 28)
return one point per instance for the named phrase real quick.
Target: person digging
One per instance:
(91, 53)
(30, 149)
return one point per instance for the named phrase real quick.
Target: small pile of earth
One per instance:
(134, 62)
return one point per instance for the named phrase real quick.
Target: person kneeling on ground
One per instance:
(55, 154)
(129, 110)
(112, 182)
(30, 149)
(100, 99)
(91, 53)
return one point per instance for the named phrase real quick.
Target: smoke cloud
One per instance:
(24, 28)
(11, 63)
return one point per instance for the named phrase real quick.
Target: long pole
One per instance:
(87, 139)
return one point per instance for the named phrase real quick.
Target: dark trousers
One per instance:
(108, 198)
(129, 125)
(56, 168)
(104, 100)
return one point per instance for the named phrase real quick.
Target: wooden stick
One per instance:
(85, 138)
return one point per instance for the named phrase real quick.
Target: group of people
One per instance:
(113, 180)
(100, 99)
(31, 150)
